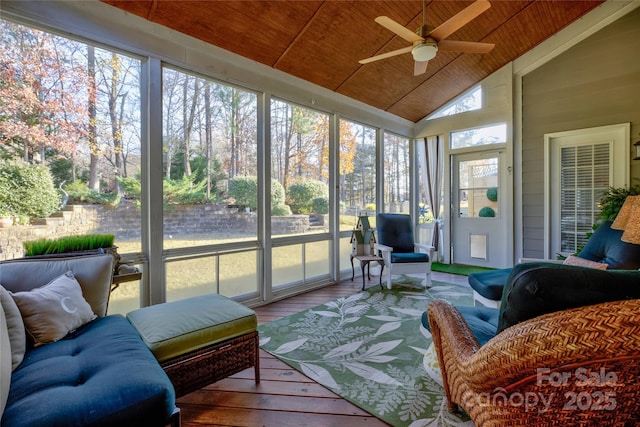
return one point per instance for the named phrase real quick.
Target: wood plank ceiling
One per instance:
(321, 41)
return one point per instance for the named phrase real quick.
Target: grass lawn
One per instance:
(229, 274)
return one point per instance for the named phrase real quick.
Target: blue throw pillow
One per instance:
(606, 246)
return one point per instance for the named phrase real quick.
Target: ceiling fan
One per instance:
(426, 41)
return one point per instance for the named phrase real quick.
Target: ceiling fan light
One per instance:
(424, 52)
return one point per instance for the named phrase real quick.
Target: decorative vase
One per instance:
(6, 221)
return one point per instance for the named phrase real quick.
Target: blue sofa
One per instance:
(100, 374)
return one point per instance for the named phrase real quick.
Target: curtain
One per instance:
(432, 167)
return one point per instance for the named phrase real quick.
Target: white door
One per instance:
(580, 166)
(478, 214)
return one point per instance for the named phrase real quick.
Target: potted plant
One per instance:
(6, 218)
(612, 200)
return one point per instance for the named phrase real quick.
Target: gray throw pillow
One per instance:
(15, 327)
(51, 311)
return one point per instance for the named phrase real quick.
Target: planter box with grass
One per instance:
(71, 246)
(84, 244)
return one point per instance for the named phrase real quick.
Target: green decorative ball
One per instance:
(487, 212)
(492, 194)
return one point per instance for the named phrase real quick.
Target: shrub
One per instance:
(277, 194)
(78, 191)
(492, 194)
(300, 195)
(131, 187)
(244, 190)
(184, 191)
(27, 190)
(487, 212)
(611, 201)
(281, 210)
(320, 205)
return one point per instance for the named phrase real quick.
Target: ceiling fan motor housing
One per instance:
(424, 50)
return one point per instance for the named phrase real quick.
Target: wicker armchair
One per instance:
(579, 366)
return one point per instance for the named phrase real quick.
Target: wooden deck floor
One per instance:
(284, 397)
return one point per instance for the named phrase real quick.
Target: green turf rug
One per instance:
(460, 269)
(371, 349)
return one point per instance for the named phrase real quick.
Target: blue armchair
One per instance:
(578, 324)
(398, 249)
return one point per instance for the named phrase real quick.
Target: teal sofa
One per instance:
(99, 374)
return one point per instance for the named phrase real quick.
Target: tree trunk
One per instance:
(116, 124)
(188, 117)
(94, 182)
(208, 139)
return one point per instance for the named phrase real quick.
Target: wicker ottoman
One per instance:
(200, 340)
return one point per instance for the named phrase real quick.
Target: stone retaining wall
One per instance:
(124, 222)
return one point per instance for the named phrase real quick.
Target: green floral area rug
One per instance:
(371, 349)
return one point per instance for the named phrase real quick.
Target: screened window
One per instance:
(72, 110)
(299, 169)
(209, 160)
(486, 135)
(468, 102)
(396, 173)
(210, 185)
(299, 194)
(357, 178)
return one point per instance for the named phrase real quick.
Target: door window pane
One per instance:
(478, 188)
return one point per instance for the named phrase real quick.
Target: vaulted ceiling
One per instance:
(321, 41)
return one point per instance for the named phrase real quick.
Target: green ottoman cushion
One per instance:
(178, 327)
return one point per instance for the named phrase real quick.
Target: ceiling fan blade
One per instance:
(386, 55)
(459, 20)
(419, 68)
(401, 31)
(467, 47)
